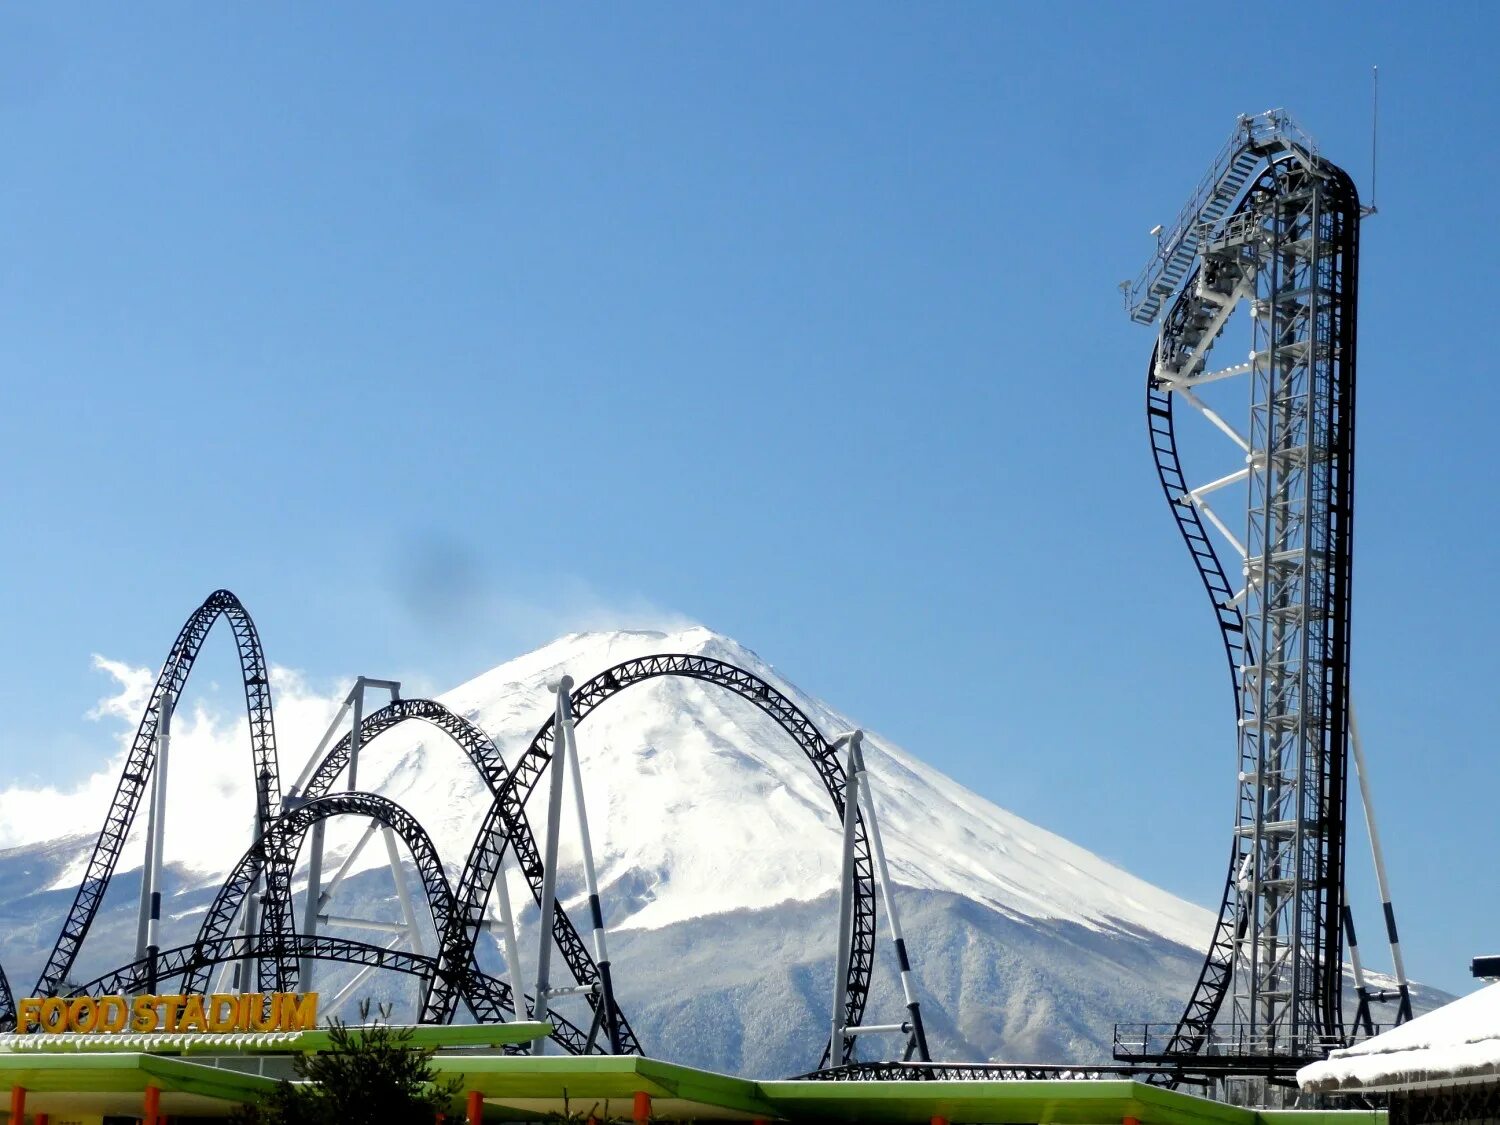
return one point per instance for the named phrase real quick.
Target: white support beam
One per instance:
(1202, 505)
(1209, 413)
(1222, 482)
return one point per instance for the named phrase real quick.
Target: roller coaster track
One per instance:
(1188, 332)
(506, 823)
(489, 993)
(452, 976)
(142, 757)
(7, 1002)
(472, 896)
(274, 855)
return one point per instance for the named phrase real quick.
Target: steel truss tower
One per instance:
(1276, 228)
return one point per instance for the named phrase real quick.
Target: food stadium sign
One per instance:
(214, 1011)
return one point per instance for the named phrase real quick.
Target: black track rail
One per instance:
(7, 1003)
(1196, 1023)
(275, 855)
(441, 1002)
(491, 992)
(453, 975)
(142, 757)
(506, 824)
(963, 1072)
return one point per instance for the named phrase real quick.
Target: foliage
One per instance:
(368, 1076)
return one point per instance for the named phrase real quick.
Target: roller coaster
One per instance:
(1274, 228)
(251, 923)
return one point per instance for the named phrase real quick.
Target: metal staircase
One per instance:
(1254, 138)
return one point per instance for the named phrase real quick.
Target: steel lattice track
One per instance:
(506, 823)
(963, 1072)
(1195, 1025)
(142, 757)
(453, 976)
(492, 993)
(275, 856)
(441, 1003)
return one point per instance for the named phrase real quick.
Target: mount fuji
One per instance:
(717, 850)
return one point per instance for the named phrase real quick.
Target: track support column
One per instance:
(887, 894)
(567, 735)
(474, 1111)
(549, 864)
(159, 804)
(846, 899)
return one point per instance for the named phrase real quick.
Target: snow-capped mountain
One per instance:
(717, 850)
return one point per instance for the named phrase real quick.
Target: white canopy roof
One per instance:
(1459, 1042)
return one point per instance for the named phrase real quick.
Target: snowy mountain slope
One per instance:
(716, 847)
(704, 804)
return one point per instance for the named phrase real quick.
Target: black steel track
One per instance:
(480, 749)
(274, 855)
(1196, 1023)
(963, 1072)
(506, 822)
(142, 757)
(452, 976)
(7, 1002)
(491, 992)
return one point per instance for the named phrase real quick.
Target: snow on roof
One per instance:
(1459, 1042)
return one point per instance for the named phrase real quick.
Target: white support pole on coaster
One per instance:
(568, 734)
(318, 896)
(549, 863)
(918, 1033)
(408, 914)
(514, 973)
(154, 867)
(143, 918)
(1403, 1012)
(846, 899)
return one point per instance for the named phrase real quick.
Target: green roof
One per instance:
(523, 1086)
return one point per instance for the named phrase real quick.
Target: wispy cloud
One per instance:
(210, 798)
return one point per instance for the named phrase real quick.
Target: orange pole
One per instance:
(39, 1119)
(17, 1104)
(1130, 1121)
(153, 1106)
(939, 1121)
(475, 1114)
(641, 1111)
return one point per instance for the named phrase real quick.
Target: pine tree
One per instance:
(368, 1076)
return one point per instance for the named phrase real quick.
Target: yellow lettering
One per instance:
(170, 1006)
(28, 1012)
(83, 1014)
(143, 1013)
(222, 1009)
(216, 1012)
(296, 1012)
(112, 1013)
(262, 1015)
(54, 1015)
(193, 1017)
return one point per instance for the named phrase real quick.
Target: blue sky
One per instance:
(434, 332)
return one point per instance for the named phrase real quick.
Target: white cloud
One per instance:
(210, 796)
